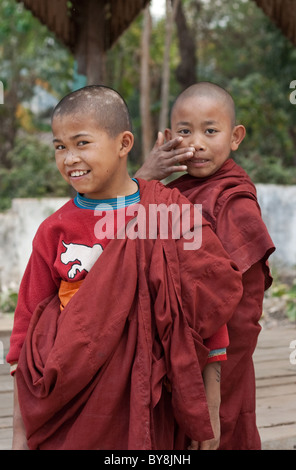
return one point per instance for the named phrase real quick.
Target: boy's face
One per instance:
(206, 125)
(87, 157)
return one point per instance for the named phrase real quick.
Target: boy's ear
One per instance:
(167, 134)
(238, 135)
(126, 143)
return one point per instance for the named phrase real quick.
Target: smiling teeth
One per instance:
(78, 173)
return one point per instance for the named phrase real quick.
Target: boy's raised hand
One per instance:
(164, 159)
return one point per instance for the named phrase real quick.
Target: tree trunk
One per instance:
(90, 49)
(8, 123)
(187, 71)
(171, 9)
(145, 113)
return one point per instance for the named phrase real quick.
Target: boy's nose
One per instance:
(198, 144)
(71, 158)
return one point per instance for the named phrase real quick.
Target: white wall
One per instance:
(17, 229)
(278, 206)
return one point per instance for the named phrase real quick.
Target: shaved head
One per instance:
(99, 102)
(211, 91)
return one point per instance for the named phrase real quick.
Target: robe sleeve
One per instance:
(38, 283)
(243, 233)
(217, 345)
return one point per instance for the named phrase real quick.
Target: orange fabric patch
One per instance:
(67, 290)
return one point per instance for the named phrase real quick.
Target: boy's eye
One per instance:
(82, 142)
(60, 147)
(184, 131)
(211, 131)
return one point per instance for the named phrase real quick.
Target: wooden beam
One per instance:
(97, 31)
(93, 27)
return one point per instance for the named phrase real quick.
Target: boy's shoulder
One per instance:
(235, 181)
(57, 218)
(157, 193)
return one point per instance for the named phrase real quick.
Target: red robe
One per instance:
(230, 204)
(94, 375)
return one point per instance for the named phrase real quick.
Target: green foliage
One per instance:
(291, 302)
(29, 51)
(8, 301)
(244, 52)
(288, 293)
(33, 173)
(237, 47)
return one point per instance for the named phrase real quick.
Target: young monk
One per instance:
(108, 339)
(203, 134)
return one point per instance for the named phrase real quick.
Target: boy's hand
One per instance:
(212, 444)
(211, 377)
(19, 442)
(164, 159)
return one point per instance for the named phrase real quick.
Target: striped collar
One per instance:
(107, 204)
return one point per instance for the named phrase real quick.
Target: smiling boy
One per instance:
(202, 136)
(78, 146)
(105, 351)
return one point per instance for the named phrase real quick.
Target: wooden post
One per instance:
(90, 49)
(171, 9)
(145, 86)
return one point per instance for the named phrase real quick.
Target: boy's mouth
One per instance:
(77, 173)
(198, 161)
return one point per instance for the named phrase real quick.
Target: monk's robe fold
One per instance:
(229, 203)
(120, 366)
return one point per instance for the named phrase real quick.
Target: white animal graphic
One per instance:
(83, 257)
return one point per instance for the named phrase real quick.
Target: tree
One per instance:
(228, 42)
(171, 10)
(145, 85)
(28, 52)
(186, 72)
(239, 48)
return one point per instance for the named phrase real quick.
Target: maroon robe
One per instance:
(230, 204)
(120, 367)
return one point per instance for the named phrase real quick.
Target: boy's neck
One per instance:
(125, 190)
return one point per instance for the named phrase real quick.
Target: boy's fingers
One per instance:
(175, 169)
(183, 154)
(194, 445)
(177, 157)
(160, 140)
(172, 144)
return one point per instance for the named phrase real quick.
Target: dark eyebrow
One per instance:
(210, 122)
(77, 136)
(183, 123)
